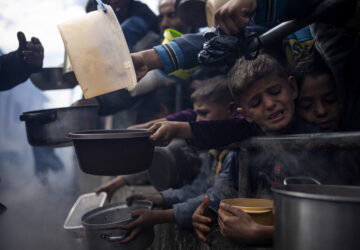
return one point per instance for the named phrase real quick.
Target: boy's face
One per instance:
(270, 103)
(207, 110)
(318, 103)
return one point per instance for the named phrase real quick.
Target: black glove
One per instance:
(32, 53)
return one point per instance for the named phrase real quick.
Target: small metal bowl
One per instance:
(113, 152)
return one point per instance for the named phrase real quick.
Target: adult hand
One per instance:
(165, 132)
(234, 15)
(240, 227)
(141, 68)
(144, 61)
(156, 199)
(111, 187)
(199, 221)
(31, 52)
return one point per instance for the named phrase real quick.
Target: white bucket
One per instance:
(98, 53)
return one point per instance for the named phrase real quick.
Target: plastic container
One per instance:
(83, 204)
(98, 53)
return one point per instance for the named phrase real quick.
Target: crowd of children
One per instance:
(267, 96)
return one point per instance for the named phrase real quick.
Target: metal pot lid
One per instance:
(110, 134)
(111, 216)
(336, 193)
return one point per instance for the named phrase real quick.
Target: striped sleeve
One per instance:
(171, 56)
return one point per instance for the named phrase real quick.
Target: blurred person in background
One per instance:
(169, 19)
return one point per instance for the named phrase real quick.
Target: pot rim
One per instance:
(282, 190)
(109, 134)
(100, 210)
(60, 109)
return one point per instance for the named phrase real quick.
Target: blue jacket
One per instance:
(182, 52)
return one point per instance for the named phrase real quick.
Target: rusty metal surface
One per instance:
(338, 140)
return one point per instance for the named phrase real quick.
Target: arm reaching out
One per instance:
(233, 16)
(165, 132)
(144, 61)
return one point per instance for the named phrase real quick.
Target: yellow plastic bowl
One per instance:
(261, 210)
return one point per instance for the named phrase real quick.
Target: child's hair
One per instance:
(309, 62)
(214, 89)
(246, 72)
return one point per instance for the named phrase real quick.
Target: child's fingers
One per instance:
(131, 225)
(131, 198)
(205, 203)
(201, 219)
(201, 227)
(131, 236)
(221, 215)
(230, 209)
(201, 236)
(155, 127)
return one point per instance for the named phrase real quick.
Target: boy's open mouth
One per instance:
(277, 116)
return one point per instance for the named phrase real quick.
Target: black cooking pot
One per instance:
(113, 152)
(52, 78)
(103, 232)
(50, 127)
(313, 217)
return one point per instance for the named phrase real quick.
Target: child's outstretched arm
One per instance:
(165, 132)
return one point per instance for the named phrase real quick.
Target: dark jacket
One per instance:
(13, 70)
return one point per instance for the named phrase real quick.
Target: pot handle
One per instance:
(114, 238)
(45, 117)
(306, 178)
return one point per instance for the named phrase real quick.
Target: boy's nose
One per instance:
(269, 103)
(320, 110)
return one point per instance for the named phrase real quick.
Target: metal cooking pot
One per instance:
(50, 127)
(50, 79)
(313, 217)
(113, 152)
(68, 72)
(173, 165)
(102, 227)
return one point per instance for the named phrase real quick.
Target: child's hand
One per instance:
(146, 124)
(165, 132)
(199, 221)
(147, 218)
(241, 227)
(110, 187)
(233, 16)
(156, 199)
